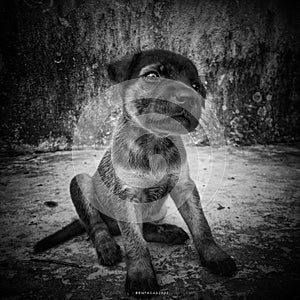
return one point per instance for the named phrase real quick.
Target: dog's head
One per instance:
(161, 91)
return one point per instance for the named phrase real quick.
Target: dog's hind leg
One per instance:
(82, 191)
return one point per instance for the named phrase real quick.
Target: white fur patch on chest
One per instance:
(143, 179)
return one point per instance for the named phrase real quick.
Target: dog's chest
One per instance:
(152, 156)
(152, 186)
(151, 173)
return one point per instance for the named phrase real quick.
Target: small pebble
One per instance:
(51, 203)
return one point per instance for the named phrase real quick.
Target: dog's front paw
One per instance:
(218, 261)
(109, 252)
(141, 284)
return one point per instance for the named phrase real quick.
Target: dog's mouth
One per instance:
(179, 121)
(181, 116)
(165, 115)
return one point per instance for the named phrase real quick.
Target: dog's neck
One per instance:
(131, 141)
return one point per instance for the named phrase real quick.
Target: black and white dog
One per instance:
(145, 162)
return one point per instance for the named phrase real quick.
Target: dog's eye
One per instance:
(151, 75)
(199, 88)
(196, 86)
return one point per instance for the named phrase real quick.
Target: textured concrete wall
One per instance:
(54, 58)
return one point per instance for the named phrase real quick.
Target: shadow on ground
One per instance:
(252, 207)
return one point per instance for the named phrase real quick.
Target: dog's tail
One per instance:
(66, 233)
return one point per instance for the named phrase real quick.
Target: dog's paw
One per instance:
(164, 233)
(141, 284)
(108, 252)
(218, 261)
(173, 234)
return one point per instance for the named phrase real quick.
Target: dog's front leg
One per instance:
(141, 279)
(187, 199)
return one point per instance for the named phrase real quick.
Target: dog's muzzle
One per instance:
(169, 106)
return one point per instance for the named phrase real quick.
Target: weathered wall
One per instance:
(54, 58)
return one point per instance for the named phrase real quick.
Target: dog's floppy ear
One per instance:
(119, 70)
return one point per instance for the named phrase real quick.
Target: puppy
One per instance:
(162, 99)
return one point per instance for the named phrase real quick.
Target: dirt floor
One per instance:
(252, 207)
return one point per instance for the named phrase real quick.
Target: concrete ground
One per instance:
(252, 207)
